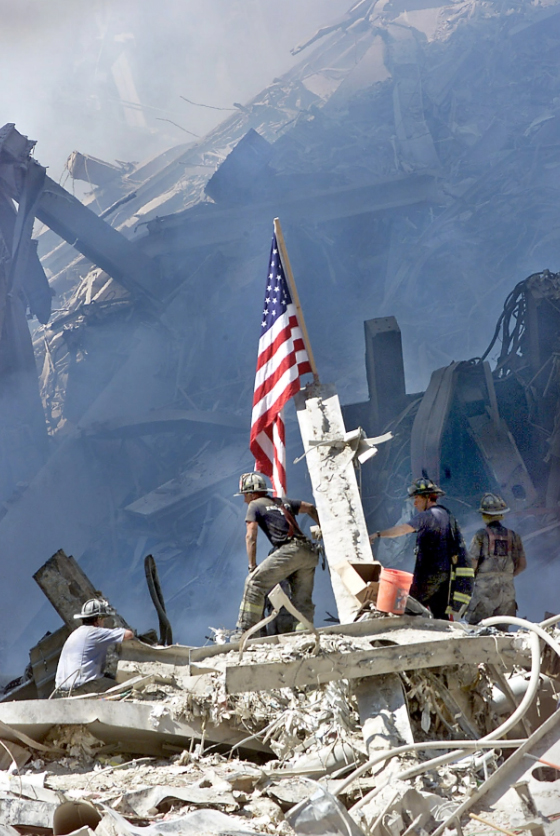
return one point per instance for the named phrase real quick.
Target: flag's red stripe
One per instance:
(287, 363)
(270, 350)
(280, 456)
(268, 416)
(262, 462)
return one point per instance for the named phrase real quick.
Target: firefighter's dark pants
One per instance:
(295, 560)
(432, 591)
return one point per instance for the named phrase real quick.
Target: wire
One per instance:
(210, 107)
(171, 122)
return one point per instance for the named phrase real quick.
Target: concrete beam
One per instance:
(375, 662)
(335, 488)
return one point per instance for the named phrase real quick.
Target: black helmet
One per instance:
(493, 505)
(423, 487)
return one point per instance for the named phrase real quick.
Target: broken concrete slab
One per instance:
(146, 802)
(191, 824)
(145, 729)
(25, 812)
(414, 655)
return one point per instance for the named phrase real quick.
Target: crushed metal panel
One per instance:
(44, 660)
(503, 461)
(430, 421)
(66, 586)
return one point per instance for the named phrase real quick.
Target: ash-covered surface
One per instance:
(317, 738)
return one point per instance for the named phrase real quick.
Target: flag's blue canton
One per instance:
(277, 297)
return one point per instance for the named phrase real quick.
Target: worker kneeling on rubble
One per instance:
(82, 661)
(498, 556)
(443, 574)
(292, 555)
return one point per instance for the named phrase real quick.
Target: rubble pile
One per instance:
(316, 763)
(375, 726)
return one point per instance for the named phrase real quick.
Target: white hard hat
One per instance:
(252, 483)
(94, 608)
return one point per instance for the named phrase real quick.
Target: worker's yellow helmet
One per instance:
(423, 487)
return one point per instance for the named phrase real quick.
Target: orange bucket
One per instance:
(393, 591)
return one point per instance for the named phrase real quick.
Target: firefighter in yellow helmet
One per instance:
(498, 557)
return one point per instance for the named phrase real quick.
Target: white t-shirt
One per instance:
(83, 655)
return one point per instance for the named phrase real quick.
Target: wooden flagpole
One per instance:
(295, 297)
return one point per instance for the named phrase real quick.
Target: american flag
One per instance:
(281, 361)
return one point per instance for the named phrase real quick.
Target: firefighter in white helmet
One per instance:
(292, 556)
(498, 557)
(82, 660)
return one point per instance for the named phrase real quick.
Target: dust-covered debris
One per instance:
(318, 768)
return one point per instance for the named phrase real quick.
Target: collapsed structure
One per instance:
(397, 185)
(385, 726)
(393, 155)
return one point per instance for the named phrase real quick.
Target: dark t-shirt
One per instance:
(432, 540)
(271, 519)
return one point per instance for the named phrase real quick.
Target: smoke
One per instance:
(102, 77)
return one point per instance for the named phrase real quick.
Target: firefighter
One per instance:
(292, 555)
(498, 557)
(443, 575)
(82, 660)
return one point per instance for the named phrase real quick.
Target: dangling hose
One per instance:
(165, 634)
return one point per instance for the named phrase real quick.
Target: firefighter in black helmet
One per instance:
(498, 557)
(442, 573)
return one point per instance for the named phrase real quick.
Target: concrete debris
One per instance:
(146, 760)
